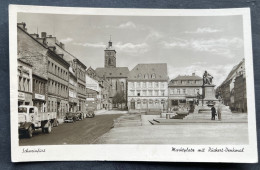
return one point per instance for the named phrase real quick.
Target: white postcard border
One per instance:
(125, 152)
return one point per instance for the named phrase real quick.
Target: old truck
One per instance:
(31, 119)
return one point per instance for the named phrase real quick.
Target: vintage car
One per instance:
(90, 113)
(79, 115)
(70, 117)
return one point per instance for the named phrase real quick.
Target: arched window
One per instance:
(122, 86)
(146, 76)
(139, 75)
(109, 61)
(153, 76)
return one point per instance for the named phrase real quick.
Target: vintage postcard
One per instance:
(171, 85)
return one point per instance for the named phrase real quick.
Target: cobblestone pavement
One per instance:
(180, 133)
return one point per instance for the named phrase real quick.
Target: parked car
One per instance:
(90, 113)
(70, 117)
(79, 115)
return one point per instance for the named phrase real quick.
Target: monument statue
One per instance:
(207, 78)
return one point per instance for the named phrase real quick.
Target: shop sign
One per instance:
(39, 96)
(21, 96)
(90, 99)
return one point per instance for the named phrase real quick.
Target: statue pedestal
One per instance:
(208, 93)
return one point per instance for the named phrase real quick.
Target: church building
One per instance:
(116, 76)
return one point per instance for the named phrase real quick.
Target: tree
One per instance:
(119, 98)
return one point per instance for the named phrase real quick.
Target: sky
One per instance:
(188, 44)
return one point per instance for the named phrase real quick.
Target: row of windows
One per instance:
(24, 84)
(38, 86)
(57, 88)
(81, 74)
(91, 95)
(146, 84)
(81, 89)
(58, 71)
(146, 76)
(53, 107)
(150, 102)
(184, 91)
(147, 93)
(187, 82)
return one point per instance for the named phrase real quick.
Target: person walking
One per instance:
(213, 113)
(219, 112)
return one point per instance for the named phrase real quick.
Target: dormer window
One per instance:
(139, 75)
(153, 76)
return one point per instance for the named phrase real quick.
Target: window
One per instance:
(156, 92)
(144, 84)
(156, 85)
(146, 76)
(20, 83)
(153, 76)
(184, 91)
(150, 85)
(172, 91)
(162, 92)
(139, 75)
(138, 85)
(178, 91)
(150, 102)
(132, 92)
(144, 93)
(162, 85)
(150, 92)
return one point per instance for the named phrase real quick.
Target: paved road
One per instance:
(81, 132)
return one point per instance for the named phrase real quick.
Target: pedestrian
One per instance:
(219, 111)
(213, 113)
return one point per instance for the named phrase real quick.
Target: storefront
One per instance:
(40, 102)
(73, 104)
(24, 98)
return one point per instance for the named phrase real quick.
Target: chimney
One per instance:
(22, 25)
(62, 45)
(35, 35)
(193, 74)
(43, 34)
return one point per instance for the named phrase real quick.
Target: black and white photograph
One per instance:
(114, 84)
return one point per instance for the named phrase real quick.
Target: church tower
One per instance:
(110, 55)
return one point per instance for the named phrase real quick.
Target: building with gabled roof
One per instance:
(184, 91)
(116, 76)
(147, 87)
(226, 90)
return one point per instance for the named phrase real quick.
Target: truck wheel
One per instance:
(30, 132)
(48, 129)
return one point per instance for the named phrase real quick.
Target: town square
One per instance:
(130, 81)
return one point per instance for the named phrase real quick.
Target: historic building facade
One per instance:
(40, 92)
(73, 100)
(24, 77)
(93, 91)
(50, 65)
(77, 66)
(116, 76)
(226, 90)
(184, 92)
(148, 87)
(240, 95)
